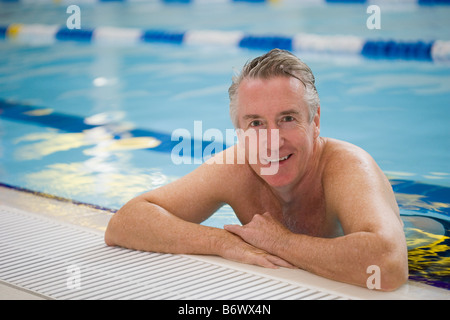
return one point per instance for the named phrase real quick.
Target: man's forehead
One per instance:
(286, 112)
(287, 82)
(279, 96)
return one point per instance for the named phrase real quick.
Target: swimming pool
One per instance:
(93, 122)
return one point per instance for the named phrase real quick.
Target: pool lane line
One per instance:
(70, 123)
(433, 50)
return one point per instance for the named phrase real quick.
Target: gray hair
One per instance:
(272, 64)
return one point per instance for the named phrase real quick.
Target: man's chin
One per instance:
(278, 179)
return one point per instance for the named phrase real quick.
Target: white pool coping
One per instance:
(96, 220)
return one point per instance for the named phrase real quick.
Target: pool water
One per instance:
(93, 123)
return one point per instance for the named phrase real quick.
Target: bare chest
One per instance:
(306, 215)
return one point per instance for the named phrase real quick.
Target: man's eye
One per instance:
(255, 123)
(288, 118)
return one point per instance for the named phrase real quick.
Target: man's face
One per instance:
(277, 103)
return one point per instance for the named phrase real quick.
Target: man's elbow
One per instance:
(123, 227)
(394, 273)
(109, 233)
(114, 229)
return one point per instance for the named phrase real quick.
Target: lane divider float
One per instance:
(434, 50)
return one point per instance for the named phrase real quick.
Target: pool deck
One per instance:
(96, 220)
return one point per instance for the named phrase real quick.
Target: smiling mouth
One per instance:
(268, 161)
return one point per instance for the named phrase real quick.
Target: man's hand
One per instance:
(262, 232)
(236, 249)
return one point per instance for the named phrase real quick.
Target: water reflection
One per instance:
(427, 231)
(428, 250)
(111, 185)
(106, 172)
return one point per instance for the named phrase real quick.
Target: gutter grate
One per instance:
(66, 262)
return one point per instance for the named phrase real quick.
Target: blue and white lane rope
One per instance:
(436, 50)
(414, 2)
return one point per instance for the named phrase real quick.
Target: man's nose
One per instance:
(272, 140)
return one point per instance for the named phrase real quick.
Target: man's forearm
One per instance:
(346, 258)
(141, 225)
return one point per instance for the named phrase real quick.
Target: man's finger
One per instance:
(281, 262)
(233, 228)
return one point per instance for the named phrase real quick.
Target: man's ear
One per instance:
(316, 121)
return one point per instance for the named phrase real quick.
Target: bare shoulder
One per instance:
(240, 186)
(353, 182)
(197, 195)
(218, 178)
(345, 161)
(340, 154)
(234, 175)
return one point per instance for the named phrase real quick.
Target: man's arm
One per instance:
(361, 197)
(167, 220)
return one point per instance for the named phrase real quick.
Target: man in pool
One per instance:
(328, 208)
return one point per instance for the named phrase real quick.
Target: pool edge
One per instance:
(95, 220)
